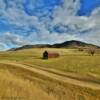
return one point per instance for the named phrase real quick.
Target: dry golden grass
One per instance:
(20, 83)
(13, 87)
(71, 60)
(36, 87)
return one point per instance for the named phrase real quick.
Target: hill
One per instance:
(72, 64)
(75, 44)
(67, 44)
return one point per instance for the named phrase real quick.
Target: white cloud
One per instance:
(2, 46)
(90, 25)
(15, 39)
(64, 15)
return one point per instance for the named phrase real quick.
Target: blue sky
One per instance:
(25, 22)
(87, 6)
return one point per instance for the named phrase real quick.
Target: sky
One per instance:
(25, 22)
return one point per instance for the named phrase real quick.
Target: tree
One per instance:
(92, 52)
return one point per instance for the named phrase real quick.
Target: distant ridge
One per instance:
(75, 44)
(67, 44)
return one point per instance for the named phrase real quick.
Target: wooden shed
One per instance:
(47, 55)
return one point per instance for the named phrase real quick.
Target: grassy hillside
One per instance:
(70, 60)
(13, 86)
(67, 44)
(22, 84)
(34, 87)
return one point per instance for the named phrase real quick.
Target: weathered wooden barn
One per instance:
(47, 55)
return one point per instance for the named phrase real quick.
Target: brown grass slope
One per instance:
(13, 87)
(67, 44)
(21, 77)
(80, 65)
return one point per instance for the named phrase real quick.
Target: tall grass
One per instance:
(16, 88)
(20, 83)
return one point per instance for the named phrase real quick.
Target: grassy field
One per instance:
(31, 84)
(13, 86)
(69, 60)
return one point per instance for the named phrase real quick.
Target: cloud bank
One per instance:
(37, 21)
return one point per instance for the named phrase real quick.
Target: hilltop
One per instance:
(73, 44)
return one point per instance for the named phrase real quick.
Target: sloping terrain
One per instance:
(16, 87)
(68, 44)
(38, 84)
(57, 76)
(75, 75)
(74, 44)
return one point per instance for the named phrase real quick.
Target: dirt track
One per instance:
(56, 76)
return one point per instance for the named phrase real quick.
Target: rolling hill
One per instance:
(67, 44)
